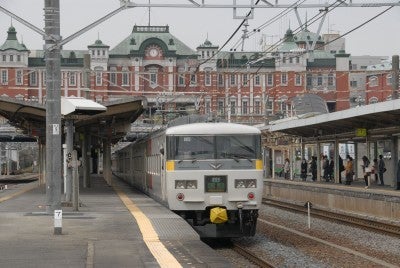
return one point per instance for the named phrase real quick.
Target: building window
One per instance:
(245, 80)
(270, 79)
(319, 80)
(93, 52)
(98, 52)
(125, 76)
(193, 80)
(113, 76)
(11, 58)
(257, 107)
(72, 78)
(33, 78)
(18, 58)
(284, 80)
(353, 84)
(373, 81)
(208, 78)
(44, 78)
(257, 80)
(309, 80)
(181, 79)
(269, 105)
(18, 77)
(208, 106)
(99, 80)
(330, 80)
(233, 107)
(298, 80)
(245, 107)
(202, 54)
(221, 108)
(220, 80)
(388, 79)
(232, 80)
(104, 52)
(4, 77)
(283, 60)
(4, 58)
(373, 100)
(153, 79)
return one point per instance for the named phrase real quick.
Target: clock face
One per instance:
(153, 52)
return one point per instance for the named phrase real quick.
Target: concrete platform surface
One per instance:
(103, 233)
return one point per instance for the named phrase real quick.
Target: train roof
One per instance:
(212, 129)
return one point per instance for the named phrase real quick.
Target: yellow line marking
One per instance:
(150, 236)
(7, 197)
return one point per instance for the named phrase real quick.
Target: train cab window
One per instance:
(190, 147)
(244, 146)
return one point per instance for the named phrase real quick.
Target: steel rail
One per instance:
(252, 257)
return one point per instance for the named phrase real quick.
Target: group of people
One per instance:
(377, 168)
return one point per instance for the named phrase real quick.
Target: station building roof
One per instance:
(112, 124)
(377, 119)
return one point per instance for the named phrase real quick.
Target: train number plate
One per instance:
(215, 184)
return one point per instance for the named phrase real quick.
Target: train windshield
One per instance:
(213, 147)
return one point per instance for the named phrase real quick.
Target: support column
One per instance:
(69, 137)
(395, 158)
(107, 162)
(53, 105)
(336, 163)
(86, 159)
(318, 161)
(273, 163)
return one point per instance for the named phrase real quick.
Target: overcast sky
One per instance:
(192, 26)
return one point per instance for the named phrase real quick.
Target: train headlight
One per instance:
(180, 196)
(186, 184)
(246, 183)
(251, 196)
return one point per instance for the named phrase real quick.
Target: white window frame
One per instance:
(331, 79)
(220, 80)
(232, 79)
(270, 79)
(113, 76)
(298, 79)
(4, 77)
(284, 79)
(257, 106)
(257, 80)
(72, 78)
(181, 79)
(245, 80)
(389, 79)
(193, 80)
(19, 75)
(33, 78)
(373, 81)
(207, 78)
(245, 106)
(125, 77)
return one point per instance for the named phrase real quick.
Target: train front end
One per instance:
(214, 177)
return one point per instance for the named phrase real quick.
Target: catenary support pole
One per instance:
(395, 68)
(69, 138)
(53, 105)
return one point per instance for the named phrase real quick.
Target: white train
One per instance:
(208, 173)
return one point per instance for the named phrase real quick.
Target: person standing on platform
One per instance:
(330, 169)
(341, 168)
(349, 170)
(374, 169)
(381, 168)
(398, 176)
(365, 168)
(286, 169)
(325, 167)
(304, 169)
(313, 167)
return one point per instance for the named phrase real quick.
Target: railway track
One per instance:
(252, 257)
(366, 223)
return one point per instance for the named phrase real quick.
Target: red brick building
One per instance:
(243, 87)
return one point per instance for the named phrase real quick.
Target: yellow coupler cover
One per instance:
(218, 215)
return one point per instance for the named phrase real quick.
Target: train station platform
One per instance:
(115, 226)
(379, 203)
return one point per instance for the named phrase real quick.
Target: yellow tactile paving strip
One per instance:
(150, 237)
(24, 190)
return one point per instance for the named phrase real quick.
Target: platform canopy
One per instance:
(377, 119)
(109, 120)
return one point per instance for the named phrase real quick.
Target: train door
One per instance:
(163, 172)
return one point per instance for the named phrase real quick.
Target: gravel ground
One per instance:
(289, 250)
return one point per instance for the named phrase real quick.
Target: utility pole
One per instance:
(53, 105)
